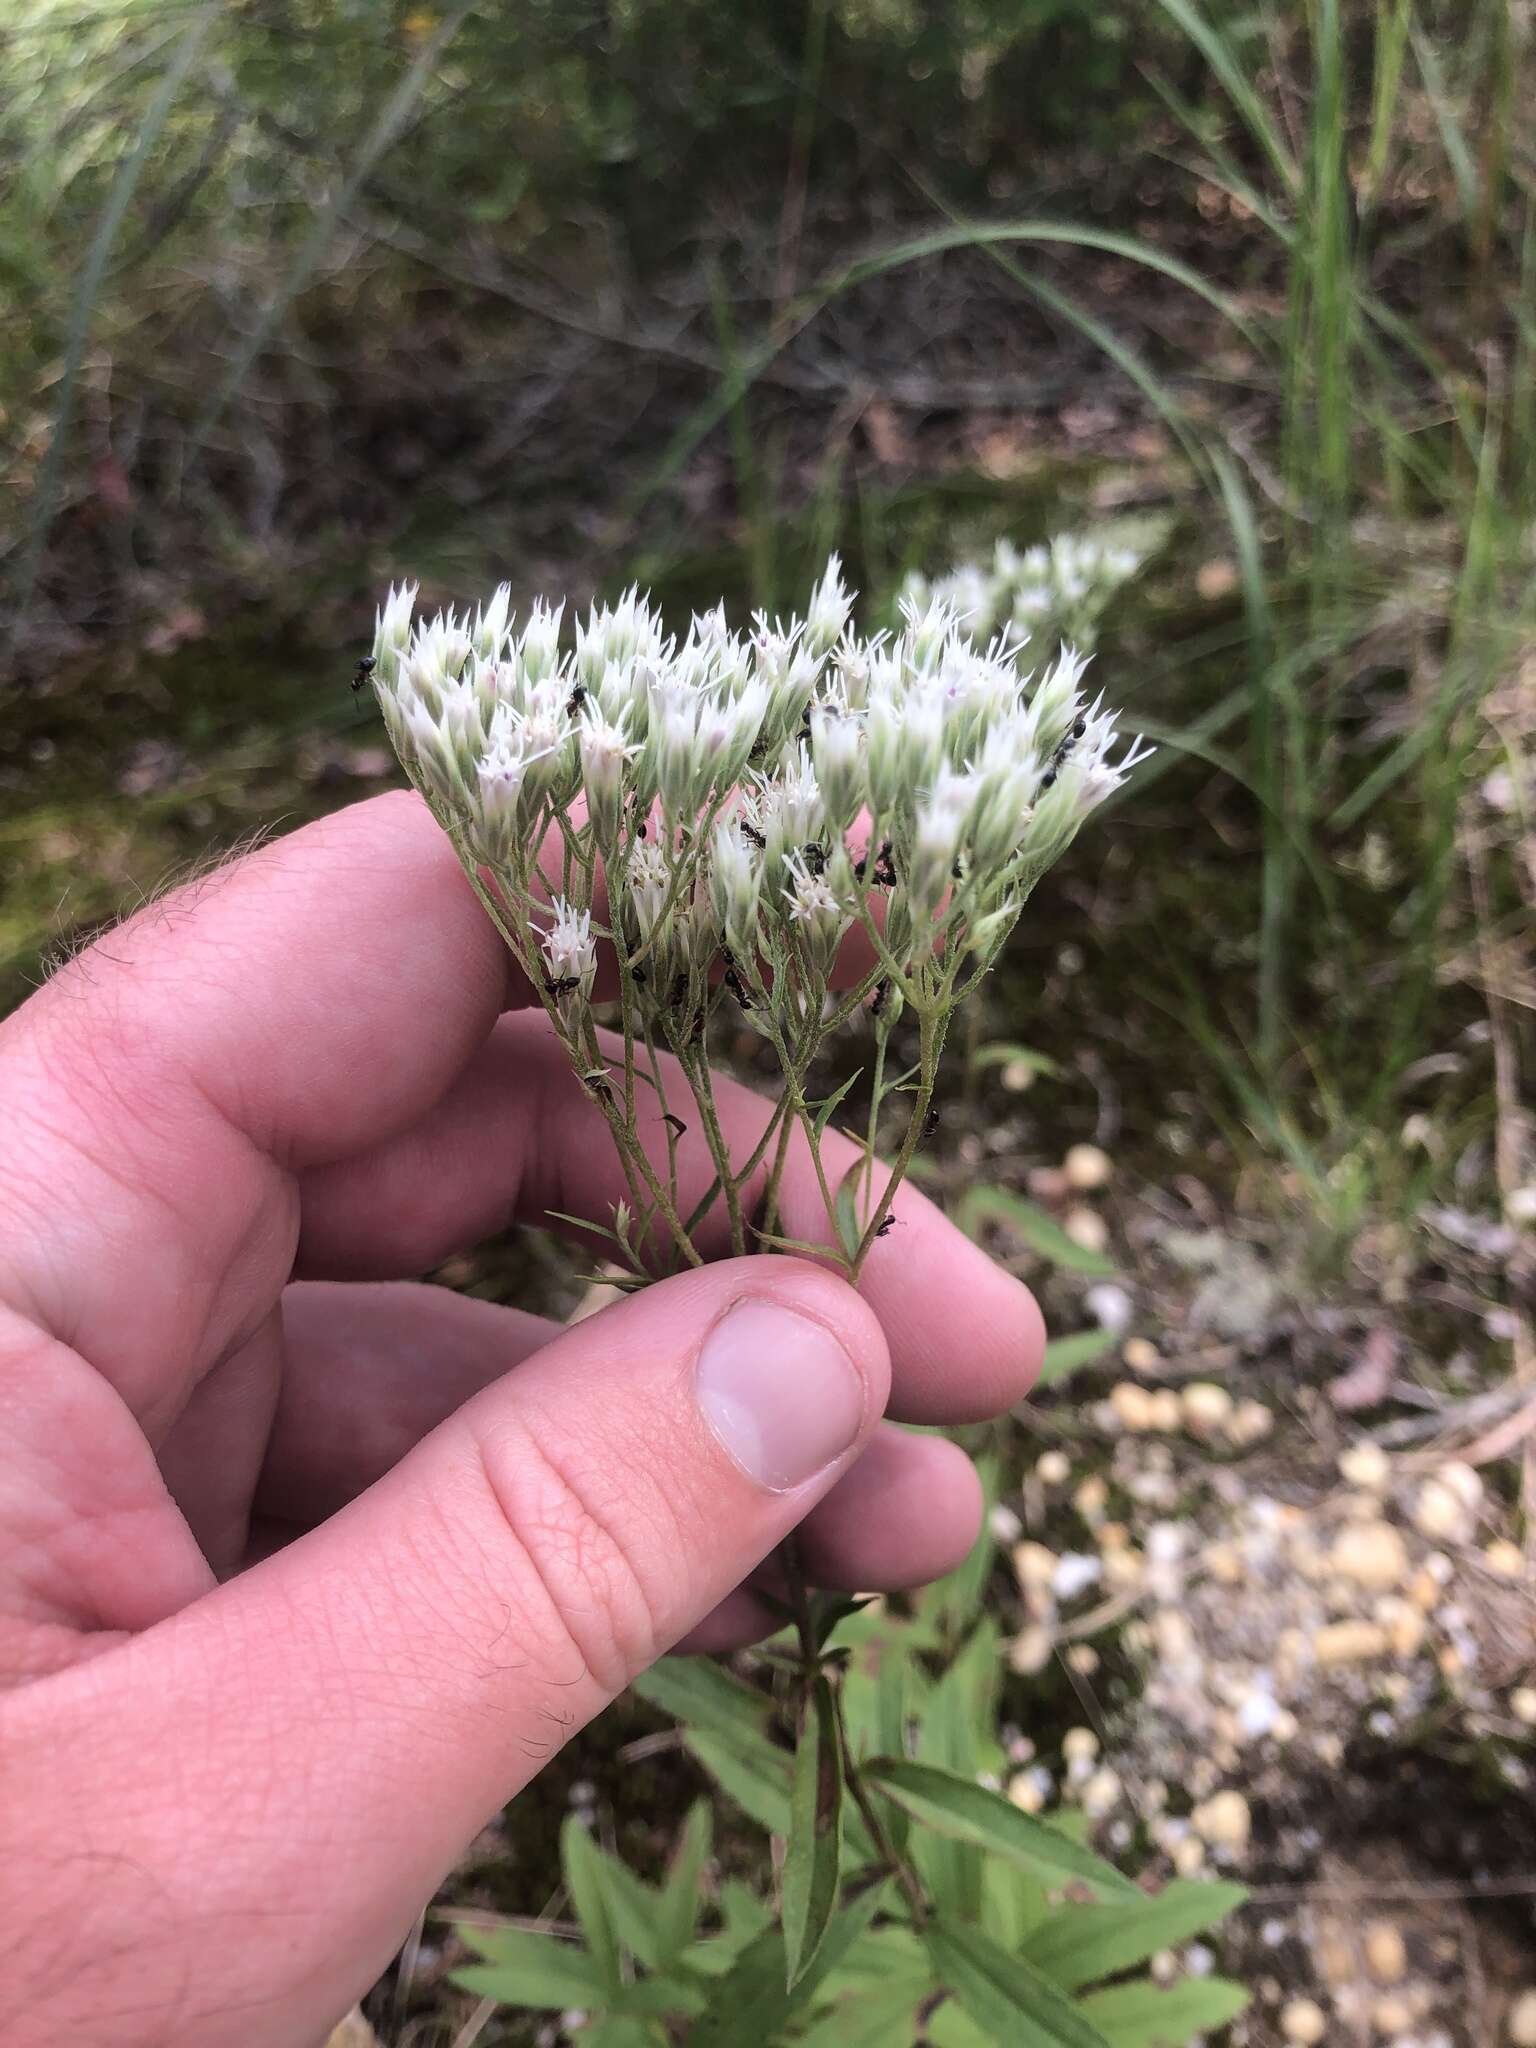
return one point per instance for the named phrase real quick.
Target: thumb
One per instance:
(304, 1753)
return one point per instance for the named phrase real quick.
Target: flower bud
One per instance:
(835, 755)
(827, 613)
(735, 881)
(605, 753)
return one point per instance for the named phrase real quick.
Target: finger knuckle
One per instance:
(575, 1524)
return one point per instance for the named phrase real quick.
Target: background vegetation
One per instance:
(302, 296)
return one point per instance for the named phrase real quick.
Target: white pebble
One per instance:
(1079, 1745)
(1224, 1821)
(1086, 1168)
(1207, 1408)
(1075, 1572)
(1371, 1554)
(1304, 2022)
(1367, 1465)
(1110, 1306)
(1386, 1954)
(1087, 1229)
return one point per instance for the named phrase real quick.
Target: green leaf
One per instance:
(1004, 1994)
(1080, 1944)
(1066, 1355)
(633, 1907)
(825, 1109)
(743, 1916)
(677, 1909)
(1013, 1904)
(753, 2000)
(871, 2016)
(815, 1834)
(585, 1879)
(755, 1775)
(830, 1610)
(705, 1698)
(620, 2030)
(959, 1807)
(1145, 2016)
(538, 1971)
(1040, 1232)
(789, 1244)
(959, 1707)
(850, 1232)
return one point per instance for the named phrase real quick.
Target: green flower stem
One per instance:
(696, 1069)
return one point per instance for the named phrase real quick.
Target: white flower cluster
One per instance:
(1058, 591)
(720, 810)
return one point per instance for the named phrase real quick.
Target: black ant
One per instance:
(882, 990)
(676, 1123)
(751, 832)
(564, 986)
(637, 974)
(885, 866)
(1048, 779)
(577, 698)
(362, 672)
(886, 1223)
(930, 1121)
(733, 982)
(679, 995)
(815, 858)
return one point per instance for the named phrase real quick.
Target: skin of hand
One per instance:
(306, 1569)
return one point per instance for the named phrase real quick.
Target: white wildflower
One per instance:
(569, 952)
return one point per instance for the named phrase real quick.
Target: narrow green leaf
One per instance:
(1142, 2015)
(1004, 1994)
(534, 1970)
(1080, 1944)
(705, 1698)
(850, 1232)
(677, 1909)
(959, 1707)
(755, 1775)
(957, 1806)
(815, 1847)
(753, 2000)
(830, 1610)
(790, 1244)
(661, 1997)
(871, 2016)
(1040, 1232)
(581, 1862)
(1067, 1355)
(743, 1916)
(824, 1109)
(619, 2030)
(582, 1223)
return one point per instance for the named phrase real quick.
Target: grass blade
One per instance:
(83, 309)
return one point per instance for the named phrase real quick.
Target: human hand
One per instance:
(227, 1786)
